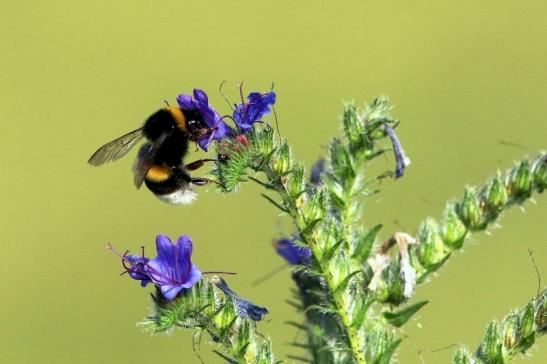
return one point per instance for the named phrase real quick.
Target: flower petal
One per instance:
(186, 102)
(170, 291)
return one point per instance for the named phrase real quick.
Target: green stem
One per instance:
(354, 338)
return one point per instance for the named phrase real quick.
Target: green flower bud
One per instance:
(250, 353)
(282, 163)
(497, 193)
(453, 230)
(510, 330)
(521, 180)
(469, 210)
(432, 249)
(540, 172)
(527, 321)
(295, 183)
(491, 348)
(225, 317)
(353, 128)
(315, 207)
(463, 356)
(244, 337)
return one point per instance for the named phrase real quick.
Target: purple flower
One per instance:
(248, 113)
(245, 309)
(200, 102)
(172, 270)
(293, 254)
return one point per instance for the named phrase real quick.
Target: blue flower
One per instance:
(200, 102)
(401, 160)
(172, 270)
(248, 113)
(317, 171)
(245, 309)
(293, 254)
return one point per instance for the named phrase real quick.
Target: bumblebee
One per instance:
(159, 164)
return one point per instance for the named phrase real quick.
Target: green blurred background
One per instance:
(75, 74)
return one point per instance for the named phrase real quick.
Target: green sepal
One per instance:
(399, 318)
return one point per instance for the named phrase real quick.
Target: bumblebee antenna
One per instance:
(224, 96)
(213, 272)
(269, 275)
(166, 103)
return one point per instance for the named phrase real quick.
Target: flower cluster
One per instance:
(245, 114)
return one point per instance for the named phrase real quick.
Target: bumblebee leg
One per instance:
(198, 164)
(199, 181)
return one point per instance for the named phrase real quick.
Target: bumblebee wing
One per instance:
(146, 158)
(115, 149)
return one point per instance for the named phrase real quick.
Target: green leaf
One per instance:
(400, 317)
(388, 352)
(365, 243)
(274, 203)
(361, 312)
(345, 282)
(332, 250)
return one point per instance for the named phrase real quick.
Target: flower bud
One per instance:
(453, 230)
(510, 330)
(540, 172)
(353, 127)
(225, 316)
(521, 180)
(282, 163)
(490, 350)
(266, 144)
(295, 184)
(315, 207)
(527, 321)
(497, 193)
(432, 249)
(469, 210)
(463, 356)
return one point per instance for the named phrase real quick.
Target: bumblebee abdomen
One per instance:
(170, 184)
